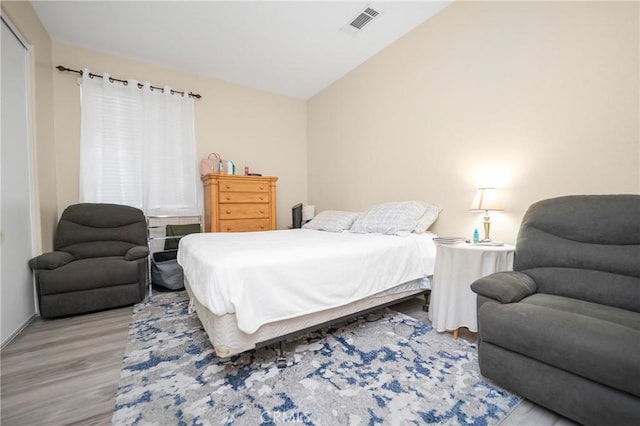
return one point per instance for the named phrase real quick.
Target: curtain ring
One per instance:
(126, 82)
(110, 79)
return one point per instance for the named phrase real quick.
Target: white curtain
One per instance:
(138, 147)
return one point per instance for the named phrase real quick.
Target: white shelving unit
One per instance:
(157, 235)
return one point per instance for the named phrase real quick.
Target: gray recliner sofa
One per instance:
(563, 328)
(99, 261)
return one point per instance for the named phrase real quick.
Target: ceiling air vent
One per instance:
(364, 18)
(360, 21)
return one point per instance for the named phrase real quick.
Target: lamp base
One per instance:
(486, 223)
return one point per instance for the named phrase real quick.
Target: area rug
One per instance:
(394, 370)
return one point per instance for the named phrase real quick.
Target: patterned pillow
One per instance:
(432, 211)
(390, 218)
(332, 221)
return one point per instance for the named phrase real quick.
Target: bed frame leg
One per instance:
(427, 296)
(373, 316)
(281, 361)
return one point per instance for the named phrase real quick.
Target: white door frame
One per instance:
(29, 113)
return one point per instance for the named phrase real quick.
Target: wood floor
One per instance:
(66, 371)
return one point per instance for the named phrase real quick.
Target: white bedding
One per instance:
(264, 277)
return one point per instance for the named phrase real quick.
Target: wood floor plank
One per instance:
(65, 371)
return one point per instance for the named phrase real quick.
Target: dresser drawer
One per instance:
(243, 197)
(239, 186)
(244, 225)
(243, 211)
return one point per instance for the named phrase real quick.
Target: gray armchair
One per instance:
(99, 262)
(563, 328)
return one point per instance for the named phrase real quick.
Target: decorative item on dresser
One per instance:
(239, 203)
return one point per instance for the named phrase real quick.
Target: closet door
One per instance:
(16, 213)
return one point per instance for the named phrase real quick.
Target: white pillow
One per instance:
(432, 211)
(332, 221)
(390, 218)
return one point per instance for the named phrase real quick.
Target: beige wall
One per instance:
(537, 99)
(26, 21)
(267, 132)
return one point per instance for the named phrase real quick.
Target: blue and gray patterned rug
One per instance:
(395, 370)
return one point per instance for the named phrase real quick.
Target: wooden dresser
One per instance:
(234, 203)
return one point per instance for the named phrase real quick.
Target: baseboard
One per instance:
(18, 331)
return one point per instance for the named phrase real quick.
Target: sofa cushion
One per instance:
(87, 274)
(583, 247)
(93, 230)
(620, 291)
(597, 342)
(593, 310)
(98, 249)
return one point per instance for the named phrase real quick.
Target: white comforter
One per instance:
(275, 275)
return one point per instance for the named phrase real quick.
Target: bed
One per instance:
(257, 288)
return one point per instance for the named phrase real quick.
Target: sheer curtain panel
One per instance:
(137, 147)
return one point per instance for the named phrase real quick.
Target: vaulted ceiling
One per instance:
(293, 48)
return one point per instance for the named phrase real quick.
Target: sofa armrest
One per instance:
(137, 252)
(50, 260)
(505, 287)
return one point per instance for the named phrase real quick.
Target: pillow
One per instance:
(332, 221)
(390, 218)
(430, 215)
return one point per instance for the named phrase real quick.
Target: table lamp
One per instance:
(308, 212)
(486, 199)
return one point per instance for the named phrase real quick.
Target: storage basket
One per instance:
(165, 271)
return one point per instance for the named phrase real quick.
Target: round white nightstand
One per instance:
(453, 304)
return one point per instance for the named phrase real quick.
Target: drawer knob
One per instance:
(228, 229)
(228, 186)
(261, 188)
(261, 198)
(261, 226)
(227, 197)
(261, 211)
(228, 211)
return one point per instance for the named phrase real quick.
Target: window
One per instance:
(137, 147)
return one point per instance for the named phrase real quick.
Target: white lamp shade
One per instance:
(308, 212)
(486, 199)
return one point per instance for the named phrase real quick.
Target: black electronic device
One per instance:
(296, 213)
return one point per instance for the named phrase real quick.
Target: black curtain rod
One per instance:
(125, 82)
